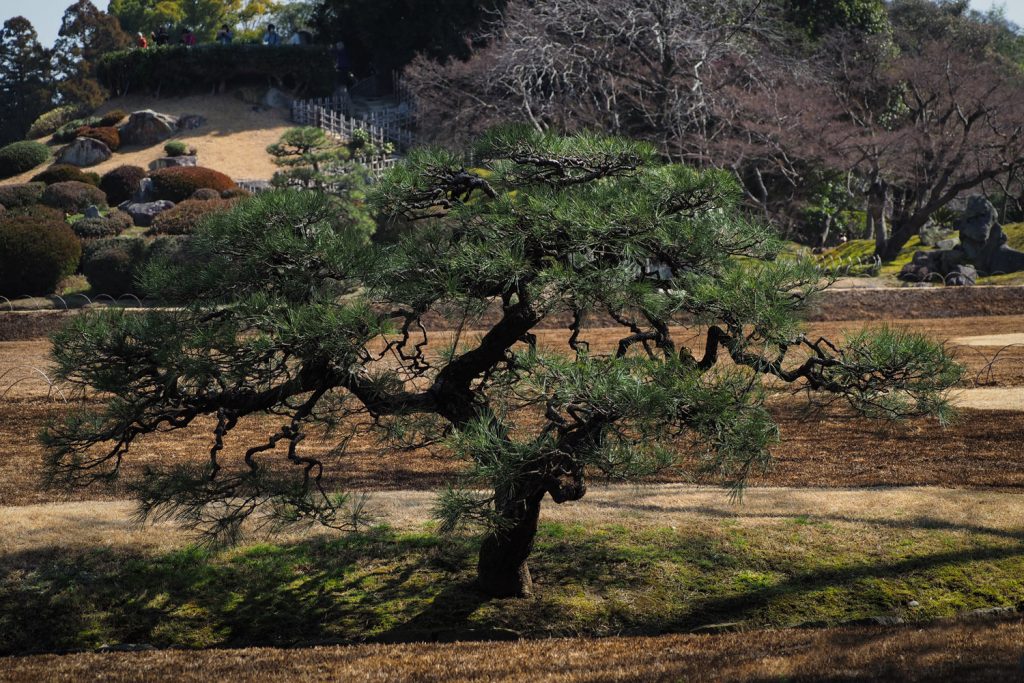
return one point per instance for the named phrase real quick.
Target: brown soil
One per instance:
(944, 651)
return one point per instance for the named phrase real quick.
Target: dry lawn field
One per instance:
(817, 540)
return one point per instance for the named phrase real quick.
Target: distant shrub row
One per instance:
(304, 69)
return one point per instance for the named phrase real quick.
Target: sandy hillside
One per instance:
(233, 141)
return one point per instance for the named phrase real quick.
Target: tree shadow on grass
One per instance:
(381, 586)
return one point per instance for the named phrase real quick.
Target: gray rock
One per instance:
(167, 162)
(145, 191)
(91, 212)
(913, 604)
(148, 127)
(991, 612)
(191, 121)
(84, 152)
(947, 243)
(962, 276)
(277, 98)
(143, 213)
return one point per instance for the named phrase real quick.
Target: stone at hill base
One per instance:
(191, 121)
(143, 213)
(167, 162)
(84, 152)
(982, 249)
(91, 212)
(148, 127)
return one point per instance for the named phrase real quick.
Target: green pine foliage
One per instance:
(289, 311)
(22, 156)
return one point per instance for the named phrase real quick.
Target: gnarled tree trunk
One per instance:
(502, 571)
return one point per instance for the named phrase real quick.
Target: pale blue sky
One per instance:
(45, 14)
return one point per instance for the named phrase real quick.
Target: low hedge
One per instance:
(108, 135)
(177, 148)
(112, 118)
(58, 173)
(111, 225)
(35, 255)
(304, 69)
(21, 194)
(69, 131)
(178, 183)
(113, 265)
(121, 183)
(22, 156)
(49, 122)
(72, 196)
(183, 217)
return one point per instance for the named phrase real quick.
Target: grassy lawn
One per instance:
(603, 580)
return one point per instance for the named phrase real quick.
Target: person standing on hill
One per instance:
(225, 35)
(188, 39)
(271, 37)
(161, 37)
(140, 40)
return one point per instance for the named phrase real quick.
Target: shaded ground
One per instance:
(667, 560)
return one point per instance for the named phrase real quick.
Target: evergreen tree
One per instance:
(25, 82)
(85, 34)
(585, 224)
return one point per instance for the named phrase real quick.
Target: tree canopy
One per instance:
(25, 74)
(544, 225)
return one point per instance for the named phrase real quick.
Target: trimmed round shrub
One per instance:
(107, 135)
(21, 194)
(48, 123)
(235, 192)
(35, 255)
(111, 264)
(183, 217)
(111, 225)
(69, 131)
(177, 148)
(205, 194)
(73, 197)
(179, 182)
(38, 213)
(58, 173)
(112, 118)
(121, 183)
(22, 156)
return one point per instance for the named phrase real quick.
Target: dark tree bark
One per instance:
(502, 571)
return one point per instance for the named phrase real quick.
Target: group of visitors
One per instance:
(225, 36)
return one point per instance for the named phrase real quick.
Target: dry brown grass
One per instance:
(949, 651)
(79, 526)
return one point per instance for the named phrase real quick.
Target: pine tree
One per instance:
(85, 34)
(25, 89)
(588, 225)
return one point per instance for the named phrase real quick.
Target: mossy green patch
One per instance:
(589, 580)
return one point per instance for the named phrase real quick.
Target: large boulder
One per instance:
(191, 121)
(143, 213)
(84, 152)
(167, 162)
(148, 127)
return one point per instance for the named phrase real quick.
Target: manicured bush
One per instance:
(69, 131)
(112, 118)
(179, 182)
(58, 173)
(183, 218)
(304, 69)
(112, 265)
(48, 123)
(108, 135)
(111, 225)
(21, 194)
(205, 194)
(35, 255)
(121, 183)
(234, 192)
(73, 197)
(177, 148)
(22, 156)
(38, 213)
